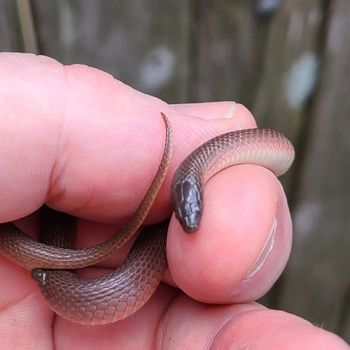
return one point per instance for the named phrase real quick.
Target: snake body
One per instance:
(113, 296)
(122, 292)
(265, 147)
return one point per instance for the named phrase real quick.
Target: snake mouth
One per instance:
(190, 223)
(191, 229)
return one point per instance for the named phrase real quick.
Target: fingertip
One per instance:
(210, 264)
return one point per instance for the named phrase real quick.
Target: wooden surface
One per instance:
(289, 64)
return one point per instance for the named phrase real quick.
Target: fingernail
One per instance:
(231, 110)
(208, 110)
(264, 252)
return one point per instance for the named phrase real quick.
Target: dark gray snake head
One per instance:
(187, 201)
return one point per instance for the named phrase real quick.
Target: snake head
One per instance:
(187, 199)
(39, 275)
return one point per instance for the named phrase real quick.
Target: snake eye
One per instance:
(39, 275)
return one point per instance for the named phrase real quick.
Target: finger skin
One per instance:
(191, 325)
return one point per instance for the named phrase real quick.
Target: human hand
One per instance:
(76, 139)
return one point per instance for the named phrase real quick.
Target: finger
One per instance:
(191, 325)
(80, 140)
(243, 242)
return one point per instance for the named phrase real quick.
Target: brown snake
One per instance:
(120, 293)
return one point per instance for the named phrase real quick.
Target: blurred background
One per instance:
(288, 61)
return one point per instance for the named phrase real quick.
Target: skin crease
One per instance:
(75, 138)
